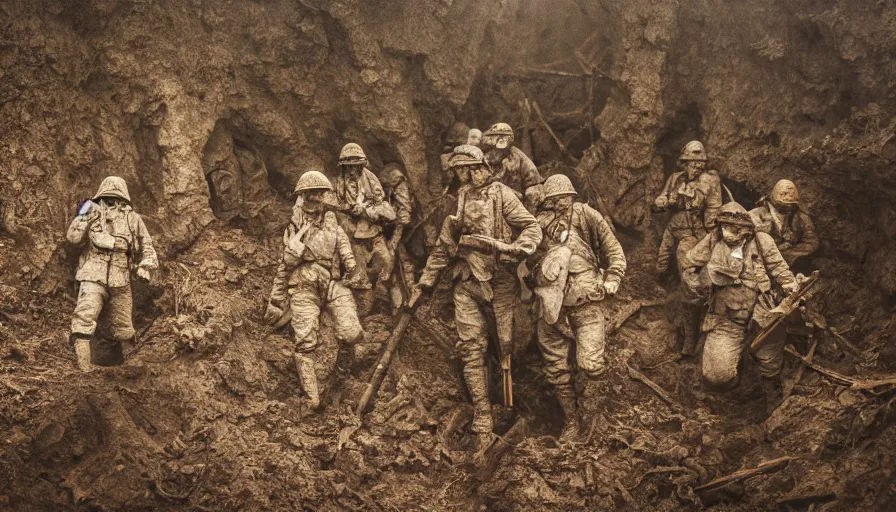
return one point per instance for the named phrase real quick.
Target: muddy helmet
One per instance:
(456, 134)
(734, 214)
(558, 185)
(466, 155)
(312, 180)
(352, 154)
(113, 186)
(500, 129)
(785, 192)
(693, 152)
(391, 175)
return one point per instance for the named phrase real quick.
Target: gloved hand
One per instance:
(354, 279)
(791, 287)
(661, 202)
(144, 270)
(272, 313)
(611, 286)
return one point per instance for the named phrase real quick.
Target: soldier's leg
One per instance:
(117, 327)
(84, 320)
(722, 353)
(344, 314)
(381, 262)
(554, 348)
(769, 358)
(506, 294)
(306, 304)
(691, 311)
(471, 347)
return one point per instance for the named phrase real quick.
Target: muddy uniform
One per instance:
(576, 313)
(114, 238)
(364, 230)
(517, 171)
(482, 280)
(398, 195)
(793, 233)
(694, 204)
(740, 295)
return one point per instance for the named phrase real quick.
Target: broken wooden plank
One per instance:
(802, 368)
(770, 466)
(853, 383)
(656, 388)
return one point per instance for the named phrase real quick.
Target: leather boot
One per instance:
(82, 352)
(482, 408)
(771, 388)
(566, 395)
(305, 367)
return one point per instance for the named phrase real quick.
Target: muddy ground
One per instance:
(206, 414)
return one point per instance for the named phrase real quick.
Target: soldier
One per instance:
(454, 136)
(395, 186)
(479, 246)
(734, 266)
(780, 216)
(361, 200)
(316, 256)
(474, 138)
(694, 195)
(114, 241)
(570, 285)
(512, 167)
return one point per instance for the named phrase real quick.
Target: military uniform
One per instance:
(316, 255)
(739, 281)
(113, 238)
(398, 195)
(570, 286)
(482, 279)
(362, 202)
(793, 231)
(512, 167)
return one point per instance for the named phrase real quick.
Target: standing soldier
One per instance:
(113, 238)
(780, 216)
(734, 266)
(401, 278)
(571, 285)
(316, 254)
(512, 167)
(479, 246)
(694, 195)
(362, 202)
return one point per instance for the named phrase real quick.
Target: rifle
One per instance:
(784, 309)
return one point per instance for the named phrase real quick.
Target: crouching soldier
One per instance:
(114, 241)
(316, 254)
(480, 246)
(735, 266)
(571, 283)
(362, 202)
(780, 216)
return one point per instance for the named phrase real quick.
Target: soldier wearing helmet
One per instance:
(512, 167)
(580, 263)
(456, 135)
(316, 256)
(736, 266)
(363, 211)
(479, 248)
(780, 216)
(114, 242)
(400, 278)
(694, 196)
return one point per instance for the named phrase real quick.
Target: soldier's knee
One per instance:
(719, 379)
(351, 333)
(307, 344)
(593, 368)
(557, 376)
(471, 351)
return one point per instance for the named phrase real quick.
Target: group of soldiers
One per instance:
(346, 241)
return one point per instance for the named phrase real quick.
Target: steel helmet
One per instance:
(312, 180)
(500, 129)
(456, 134)
(391, 174)
(693, 151)
(466, 155)
(558, 185)
(352, 154)
(785, 192)
(734, 214)
(113, 186)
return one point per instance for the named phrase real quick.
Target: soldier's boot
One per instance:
(482, 408)
(566, 395)
(772, 389)
(81, 345)
(305, 367)
(689, 320)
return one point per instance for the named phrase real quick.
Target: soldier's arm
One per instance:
(402, 204)
(344, 248)
(278, 290)
(775, 264)
(519, 218)
(529, 175)
(807, 244)
(148, 257)
(376, 208)
(78, 229)
(610, 248)
(713, 200)
(699, 255)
